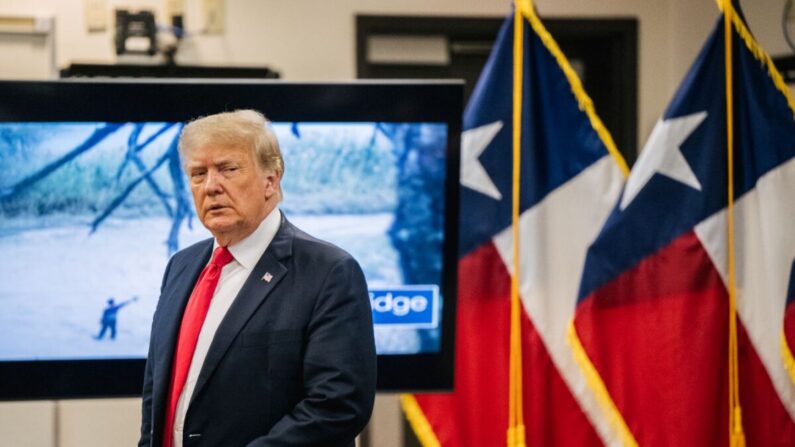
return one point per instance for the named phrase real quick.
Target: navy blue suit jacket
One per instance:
(293, 361)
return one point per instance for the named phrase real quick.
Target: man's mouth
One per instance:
(215, 207)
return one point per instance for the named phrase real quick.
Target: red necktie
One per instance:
(192, 321)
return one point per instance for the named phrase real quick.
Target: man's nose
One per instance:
(212, 184)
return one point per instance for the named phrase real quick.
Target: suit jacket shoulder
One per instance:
(307, 246)
(198, 252)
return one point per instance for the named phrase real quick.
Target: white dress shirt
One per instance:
(246, 254)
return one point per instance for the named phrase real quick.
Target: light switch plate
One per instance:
(96, 15)
(214, 12)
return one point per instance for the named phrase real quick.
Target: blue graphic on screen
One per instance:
(405, 306)
(90, 213)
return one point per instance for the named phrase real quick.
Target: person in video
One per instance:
(110, 316)
(263, 334)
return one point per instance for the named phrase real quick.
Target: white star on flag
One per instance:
(473, 175)
(662, 153)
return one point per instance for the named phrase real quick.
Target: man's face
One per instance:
(231, 193)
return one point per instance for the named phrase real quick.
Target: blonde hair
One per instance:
(247, 128)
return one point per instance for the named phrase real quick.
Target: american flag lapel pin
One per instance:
(267, 277)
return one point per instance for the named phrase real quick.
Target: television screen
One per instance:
(94, 202)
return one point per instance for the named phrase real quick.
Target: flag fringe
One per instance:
(597, 386)
(585, 102)
(787, 357)
(762, 56)
(419, 423)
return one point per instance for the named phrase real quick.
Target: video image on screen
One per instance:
(90, 213)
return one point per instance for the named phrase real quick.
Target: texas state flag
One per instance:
(569, 184)
(652, 312)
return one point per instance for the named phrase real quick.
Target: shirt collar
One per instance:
(248, 251)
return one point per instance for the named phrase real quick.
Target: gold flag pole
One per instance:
(736, 435)
(516, 429)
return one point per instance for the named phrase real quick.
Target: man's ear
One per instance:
(271, 180)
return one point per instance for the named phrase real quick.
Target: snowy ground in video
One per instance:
(59, 278)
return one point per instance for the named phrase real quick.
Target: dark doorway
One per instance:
(603, 51)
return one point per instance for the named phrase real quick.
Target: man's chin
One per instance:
(220, 226)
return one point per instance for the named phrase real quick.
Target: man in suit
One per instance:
(262, 335)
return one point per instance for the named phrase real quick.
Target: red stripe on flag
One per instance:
(657, 336)
(476, 414)
(551, 415)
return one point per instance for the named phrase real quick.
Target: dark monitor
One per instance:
(93, 203)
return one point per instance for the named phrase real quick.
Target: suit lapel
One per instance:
(175, 298)
(254, 292)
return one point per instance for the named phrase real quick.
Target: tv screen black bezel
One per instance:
(182, 100)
